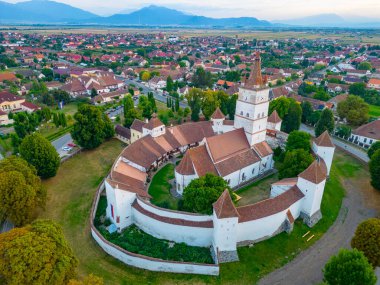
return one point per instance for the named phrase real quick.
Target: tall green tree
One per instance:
(367, 240)
(91, 127)
(40, 153)
(210, 103)
(326, 122)
(349, 267)
(281, 105)
(130, 116)
(21, 191)
(292, 120)
(202, 192)
(145, 106)
(307, 111)
(202, 78)
(128, 104)
(36, 254)
(25, 123)
(194, 99)
(374, 169)
(298, 140)
(374, 147)
(295, 162)
(169, 84)
(354, 110)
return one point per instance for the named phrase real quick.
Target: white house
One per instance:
(367, 134)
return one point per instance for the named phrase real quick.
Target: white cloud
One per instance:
(262, 9)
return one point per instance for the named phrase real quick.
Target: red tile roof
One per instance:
(370, 130)
(274, 118)
(263, 149)
(270, 206)
(224, 207)
(185, 167)
(218, 114)
(315, 173)
(324, 140)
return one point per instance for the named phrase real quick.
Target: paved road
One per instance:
(61, 142)
(355, 151)
(361, 202)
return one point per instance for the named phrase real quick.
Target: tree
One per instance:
(169, 84)
(128, 104)
(374, 147)
(152, 101)
(354, 110)
(343, 131)
(298, 140)
(365, 65)
(94, 93)
(307, 111)
(367, 240)
(210, 103)
(201, 193)
(145, 106)
(374, 169)
(92, 127)
(25, 123)
(40, 153)
(349, 267)
(281, 105)
(21, 191)
(36, 254)
(130, 116)
(62, 120)
(177, 104)
(358, 89)
(202, 79)
(232, 106)
(194, 99)
(295, 162)
(326, 122)
(321, 95)
(145, 76)
(292, 120)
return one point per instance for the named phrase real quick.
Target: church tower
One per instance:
(252, 105)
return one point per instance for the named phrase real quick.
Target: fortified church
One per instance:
(236, 150)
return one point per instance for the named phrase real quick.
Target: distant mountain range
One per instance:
(331, 20)
(51, 12)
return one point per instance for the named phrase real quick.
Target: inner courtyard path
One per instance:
(361, 202)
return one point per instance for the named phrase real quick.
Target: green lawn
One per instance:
(71, 193)
(256, 191)
(374, 111)
(159, 188)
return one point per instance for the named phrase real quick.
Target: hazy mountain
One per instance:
(41, 11)
(332, 20)
(156, 15)
(316, 20)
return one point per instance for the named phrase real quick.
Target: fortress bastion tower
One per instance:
(253, 105)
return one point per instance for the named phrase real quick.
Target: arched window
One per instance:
(241, 113)
(248, 115)
(243, 177)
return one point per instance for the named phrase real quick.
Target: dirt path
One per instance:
(361, 202)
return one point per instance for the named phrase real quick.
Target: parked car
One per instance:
(66, 148)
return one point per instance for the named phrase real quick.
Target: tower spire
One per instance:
(255, 79)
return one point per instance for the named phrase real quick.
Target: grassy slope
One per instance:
(159, 189)
(374, 111)
(70, 197)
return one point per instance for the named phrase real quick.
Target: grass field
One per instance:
(159, 188)
(256, 191)
(71, 192)
(374, 111)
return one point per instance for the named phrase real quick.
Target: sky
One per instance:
(263, 9)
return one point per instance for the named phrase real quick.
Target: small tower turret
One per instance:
(225, 219)
(324, 148)
(217, 120)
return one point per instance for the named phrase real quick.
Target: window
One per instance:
(365, 140)
(243, 177)
(248, 115)
(241, 113)
(253, 171)
(112, 211)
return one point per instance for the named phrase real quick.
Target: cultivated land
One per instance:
(71, 194)
(347, 36)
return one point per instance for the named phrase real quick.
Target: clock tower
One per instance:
(252, 105)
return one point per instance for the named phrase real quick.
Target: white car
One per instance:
(66, 148)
